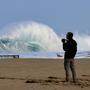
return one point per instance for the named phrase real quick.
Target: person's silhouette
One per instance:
(70, 48)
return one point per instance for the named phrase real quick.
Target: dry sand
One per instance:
(42, 74)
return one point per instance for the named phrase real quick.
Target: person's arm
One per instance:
(65, 46)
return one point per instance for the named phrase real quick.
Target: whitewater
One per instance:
(31, 37)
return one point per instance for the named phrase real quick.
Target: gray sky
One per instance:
(61, 15)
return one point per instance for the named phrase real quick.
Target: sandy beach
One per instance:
(42, 74)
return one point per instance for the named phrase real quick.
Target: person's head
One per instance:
(69, 35)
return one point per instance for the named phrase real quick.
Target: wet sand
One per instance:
(42, 74)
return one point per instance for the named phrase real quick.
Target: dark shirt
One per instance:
(70, 48)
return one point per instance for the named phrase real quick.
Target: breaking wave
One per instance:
(33, 37)
(83, 41)
(29, 37)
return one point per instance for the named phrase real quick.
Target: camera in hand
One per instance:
(63, 40)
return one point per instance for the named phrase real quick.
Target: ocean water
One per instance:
(32, 39)
(80, 54)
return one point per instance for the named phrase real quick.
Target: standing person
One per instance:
(70, 48)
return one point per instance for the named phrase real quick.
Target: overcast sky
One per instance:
(61, 15)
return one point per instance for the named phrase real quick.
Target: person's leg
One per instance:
(72, 66)
(67, 67)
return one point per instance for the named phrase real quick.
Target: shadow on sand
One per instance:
(55, 80)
